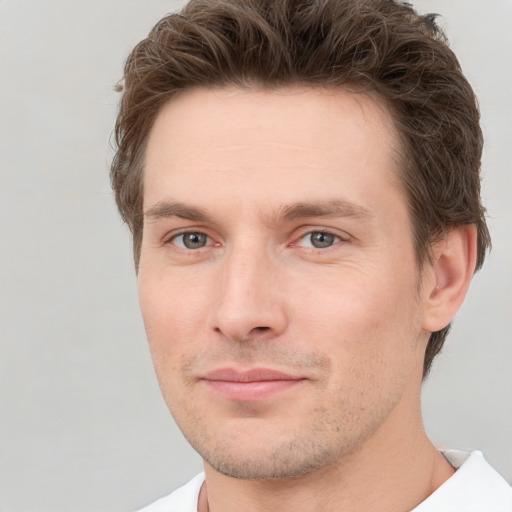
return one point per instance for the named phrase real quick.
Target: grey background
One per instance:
(83, 426)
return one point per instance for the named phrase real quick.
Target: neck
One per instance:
(395, 470)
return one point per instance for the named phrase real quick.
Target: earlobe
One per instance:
(450, 274)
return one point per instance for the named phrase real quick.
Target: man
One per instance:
(302, 183)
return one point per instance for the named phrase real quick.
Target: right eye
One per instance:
(191, 240)
(319, 239)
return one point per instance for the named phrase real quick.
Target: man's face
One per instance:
(278, 281)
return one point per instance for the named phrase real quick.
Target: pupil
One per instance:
(194, 240)
(322, 240)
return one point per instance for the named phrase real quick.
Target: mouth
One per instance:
(250, 385)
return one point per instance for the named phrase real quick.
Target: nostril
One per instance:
(262, 329)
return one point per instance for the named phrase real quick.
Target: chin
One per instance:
(256, 458)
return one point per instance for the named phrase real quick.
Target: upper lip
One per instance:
(250, 375)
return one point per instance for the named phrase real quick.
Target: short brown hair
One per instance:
(381, 47)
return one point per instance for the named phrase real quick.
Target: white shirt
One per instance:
(474, 487)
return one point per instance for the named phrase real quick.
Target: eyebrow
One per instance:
(164, 209)
(329, 208)
(287, 212)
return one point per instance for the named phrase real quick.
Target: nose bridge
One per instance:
(248, 303)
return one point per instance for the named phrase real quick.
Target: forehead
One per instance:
(297, 113)
(259, 143)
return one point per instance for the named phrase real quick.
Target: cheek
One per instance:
(364, 320)
(172, 311)
(171, 320)
(371, 338)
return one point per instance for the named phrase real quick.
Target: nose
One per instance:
(249, 303)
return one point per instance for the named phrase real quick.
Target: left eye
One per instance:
(319, 239)
(191, 240)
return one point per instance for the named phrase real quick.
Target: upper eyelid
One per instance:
(302, 232)
(169, 240)
(336, 236)
(342, 235)
(176, 235)
(177, 232)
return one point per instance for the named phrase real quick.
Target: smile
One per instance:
(250, 385)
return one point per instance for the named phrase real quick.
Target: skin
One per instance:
(257, 178)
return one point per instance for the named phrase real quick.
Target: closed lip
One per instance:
(250, 375)
(251, 385)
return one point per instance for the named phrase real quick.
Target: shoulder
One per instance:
(183, 499)
(474, 487)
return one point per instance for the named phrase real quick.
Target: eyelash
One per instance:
(174, 237)
(296, 243)
(336, 239)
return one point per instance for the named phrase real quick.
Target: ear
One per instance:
(447, 276)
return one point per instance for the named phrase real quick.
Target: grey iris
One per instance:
(194, 240)
(321, 240)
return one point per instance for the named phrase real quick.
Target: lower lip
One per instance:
(251, 391)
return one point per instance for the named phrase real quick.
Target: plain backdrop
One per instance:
(83, 426)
